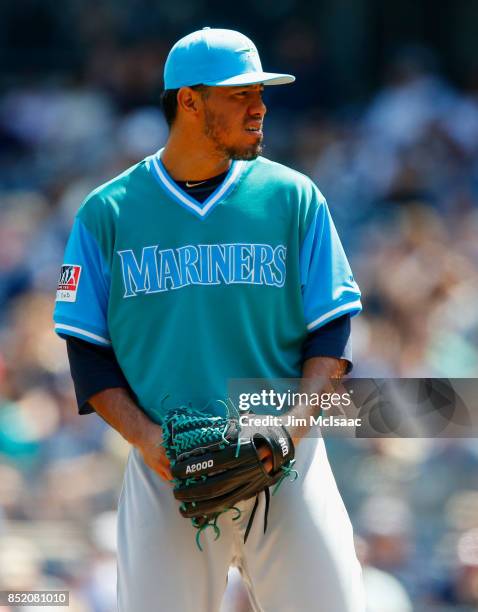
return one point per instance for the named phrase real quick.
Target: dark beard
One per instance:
(245, 154)
(230, 152)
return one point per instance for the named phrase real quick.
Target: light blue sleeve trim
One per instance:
(352, 308)
(91, 330)
(70, 330)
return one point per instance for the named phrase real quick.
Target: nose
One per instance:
(257, 108)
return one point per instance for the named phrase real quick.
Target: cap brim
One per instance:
(252, 78)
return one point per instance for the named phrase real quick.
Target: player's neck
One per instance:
(191, 159)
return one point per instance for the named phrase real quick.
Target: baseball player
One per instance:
(203, 263)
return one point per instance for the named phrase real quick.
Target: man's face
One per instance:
(233, 118)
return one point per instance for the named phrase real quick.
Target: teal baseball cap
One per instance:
(217, 57)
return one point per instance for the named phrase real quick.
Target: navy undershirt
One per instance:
(95, 368)
(201, 190)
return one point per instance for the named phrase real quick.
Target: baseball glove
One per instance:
(215, 464)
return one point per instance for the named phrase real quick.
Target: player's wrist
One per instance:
(148, 436)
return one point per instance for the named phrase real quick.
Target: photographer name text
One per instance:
(289, 420)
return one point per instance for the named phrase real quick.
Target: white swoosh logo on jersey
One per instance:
(188, 184)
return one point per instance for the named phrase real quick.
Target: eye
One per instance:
(246, 93)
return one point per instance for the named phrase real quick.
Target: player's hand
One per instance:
(154, 453)
(265, 455)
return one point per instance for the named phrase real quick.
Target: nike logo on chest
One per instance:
(189, 185)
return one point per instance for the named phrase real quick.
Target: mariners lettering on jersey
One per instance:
(204, 264)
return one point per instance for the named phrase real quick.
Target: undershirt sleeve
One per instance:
(93, 369)
(331, 340)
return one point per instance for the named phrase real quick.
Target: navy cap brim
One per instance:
(252, 78)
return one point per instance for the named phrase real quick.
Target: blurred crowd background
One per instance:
(384, 117)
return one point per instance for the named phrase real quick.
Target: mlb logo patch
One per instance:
(68, 283)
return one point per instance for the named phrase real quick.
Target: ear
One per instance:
(189, 100)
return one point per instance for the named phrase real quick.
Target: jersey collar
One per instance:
(200, 209)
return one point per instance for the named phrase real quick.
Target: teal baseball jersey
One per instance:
(190, 295)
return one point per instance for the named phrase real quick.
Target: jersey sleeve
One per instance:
(83, 289)
(328, 286)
